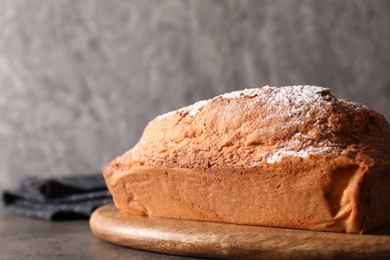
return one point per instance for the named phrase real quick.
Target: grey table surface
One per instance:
(23, 238)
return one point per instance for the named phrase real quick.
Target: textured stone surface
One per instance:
(79, 80)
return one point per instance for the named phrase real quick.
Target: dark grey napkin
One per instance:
(58, 199)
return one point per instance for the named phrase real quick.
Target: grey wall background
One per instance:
(79, 80)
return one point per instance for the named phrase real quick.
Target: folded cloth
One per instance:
(58, 199)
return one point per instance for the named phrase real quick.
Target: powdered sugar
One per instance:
(293, 103)
(300, 95)
(304, 153)
(195, 108)
(295, 97)
(166, 115)
(190, 110)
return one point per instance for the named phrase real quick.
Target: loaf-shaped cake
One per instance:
(294, 157)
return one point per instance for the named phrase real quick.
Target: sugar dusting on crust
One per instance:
(304, 153)
(196, 107)
(299, 95)
(298, 104)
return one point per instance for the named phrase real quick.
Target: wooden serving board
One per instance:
(218, 240)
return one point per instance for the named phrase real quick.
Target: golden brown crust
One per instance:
(291, 157)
